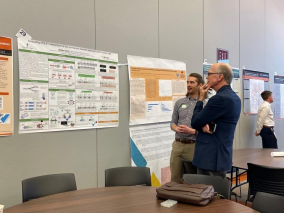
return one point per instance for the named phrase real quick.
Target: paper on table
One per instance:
(169, 203)
(277, 154)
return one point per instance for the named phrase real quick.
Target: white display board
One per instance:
(65, 87)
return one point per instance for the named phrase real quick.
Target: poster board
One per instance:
(6, 87)
(155, 86)
(66, 88)
(278, 96)
(254, 83)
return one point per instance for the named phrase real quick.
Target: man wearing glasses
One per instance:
(214, 146)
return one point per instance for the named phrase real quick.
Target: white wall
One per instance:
(189, 31)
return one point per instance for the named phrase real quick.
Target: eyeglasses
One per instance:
(212, 73)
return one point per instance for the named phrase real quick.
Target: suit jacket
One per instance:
(214, 152)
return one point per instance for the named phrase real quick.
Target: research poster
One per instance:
(254, 84)
(151, 147)
(155, 86)
(235, 81)
(279, 96)
(6, 87)
(65, 87)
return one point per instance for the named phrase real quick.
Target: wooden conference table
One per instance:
(256, 156)
(118, 199)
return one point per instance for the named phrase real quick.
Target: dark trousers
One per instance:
(268, 138)
(212, 173)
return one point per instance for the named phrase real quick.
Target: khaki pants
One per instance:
(185, 151)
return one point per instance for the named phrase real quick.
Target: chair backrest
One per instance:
(265, 179)
(221, 186)
(264, 202)
(127, 176)
(188, 167)
(42, 186)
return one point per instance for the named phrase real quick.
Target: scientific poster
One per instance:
(254, 84)
(236, 80)
(279, 96)
(6, 87)
(155, 85)
(151, 147)
(65, 87)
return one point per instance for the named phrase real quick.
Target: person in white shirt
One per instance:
(265, 122)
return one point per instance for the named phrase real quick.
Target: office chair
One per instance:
(221, 186)
(42, 186)
(264, 179)
(127, 176)
(268, 203)
(188, 168)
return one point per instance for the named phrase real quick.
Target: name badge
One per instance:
(184, 106)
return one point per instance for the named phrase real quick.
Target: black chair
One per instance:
(127, 176)
(188, 168)
(268, 203)
(221, 186)
(42, 186)
(264, 179)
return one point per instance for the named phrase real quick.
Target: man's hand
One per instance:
(183, 129)
(206, 129)
(256, 134)
(203, 91)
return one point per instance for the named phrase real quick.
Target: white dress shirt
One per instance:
(264, 116)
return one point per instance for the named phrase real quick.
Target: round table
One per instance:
(118, 199)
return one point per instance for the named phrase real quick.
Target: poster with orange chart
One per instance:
(6, 87)
(155, 85)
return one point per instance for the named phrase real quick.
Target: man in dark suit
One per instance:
(213, 149)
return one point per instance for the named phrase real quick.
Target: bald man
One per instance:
(214, 146)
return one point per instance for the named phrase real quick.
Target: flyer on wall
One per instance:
(6, 87)
(66, 88)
